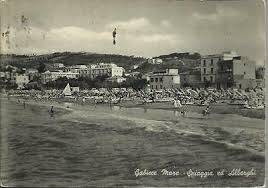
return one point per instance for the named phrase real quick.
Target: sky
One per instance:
(144, 27)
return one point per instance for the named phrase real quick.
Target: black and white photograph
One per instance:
(123, 93)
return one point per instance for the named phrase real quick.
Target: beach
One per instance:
(96, 145)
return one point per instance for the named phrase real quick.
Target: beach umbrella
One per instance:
(179, 93)
(238, 93)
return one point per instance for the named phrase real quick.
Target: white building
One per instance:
(167, 79)
(21, 80)
(117, 79)
(31, 73)
(102, 69)
(155, 61)
(51, 76)
(82, 70)
(58, 65)
(2, 74)
(229, 55)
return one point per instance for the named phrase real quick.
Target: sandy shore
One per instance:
(218, 108)
(215, 108)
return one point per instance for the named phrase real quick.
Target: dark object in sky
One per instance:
(114, 35)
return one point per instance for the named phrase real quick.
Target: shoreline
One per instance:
(220, 108)
(215, 108)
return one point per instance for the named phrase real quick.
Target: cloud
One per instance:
(167, 38)
(131, 25)
(221, 12)
(208, 17)
(165, 23)
(72, 38)
(77, 33)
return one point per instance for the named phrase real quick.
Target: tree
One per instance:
(41, 68)
(136, 84)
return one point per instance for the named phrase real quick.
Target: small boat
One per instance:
(67, 90)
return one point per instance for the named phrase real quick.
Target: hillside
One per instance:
(184, 55)
(70, 58)
(181, 61)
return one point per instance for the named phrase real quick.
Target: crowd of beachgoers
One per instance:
(253, 98)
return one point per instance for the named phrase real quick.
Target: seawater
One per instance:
(104, 146)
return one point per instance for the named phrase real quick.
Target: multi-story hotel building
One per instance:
(108, 69)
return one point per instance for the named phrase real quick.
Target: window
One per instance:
(156, 79)
(205, 71)
(161, 79)
(156, 87)
(211, 62)
(161, 86)
(152, 87)
(152, 80)
(211, 78)
(205, 79)
(211, 70)
(244, 73)
(204, 62)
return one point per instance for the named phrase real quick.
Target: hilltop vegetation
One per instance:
(186, 55)
(181, 61)
(70, 58)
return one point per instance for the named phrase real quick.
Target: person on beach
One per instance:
(95, 103)
(183, 112)
(206, 111)
(51, 112)
(84, 100)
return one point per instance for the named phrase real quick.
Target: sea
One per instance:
(112, 146)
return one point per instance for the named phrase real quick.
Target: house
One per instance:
(229, 55)
(58, 65)
(191, 78)
(75, 89)
(106, 69)
(82, 70)
(2, 74)
(52, 76)
(227, 70)
(146, 76)
(238, 72)
(31, 73)
(167, 79)
(21, 80)
(117, 79)
(155, 61)
(209, 66)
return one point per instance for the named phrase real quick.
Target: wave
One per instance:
(216, 137)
